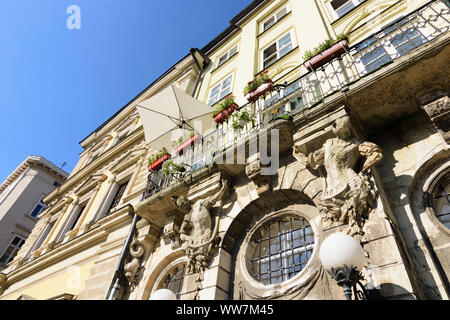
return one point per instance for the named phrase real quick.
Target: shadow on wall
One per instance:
(395, 292)
(398, 137)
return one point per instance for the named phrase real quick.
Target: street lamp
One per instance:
(343, 258)
(163, 294)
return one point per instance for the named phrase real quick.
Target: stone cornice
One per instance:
(33, 161)
(84, 172)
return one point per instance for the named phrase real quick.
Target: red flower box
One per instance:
(157, 164)
(327, 55)
(261, 90)
(189, 142)
(223, 115)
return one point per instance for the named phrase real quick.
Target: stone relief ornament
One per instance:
(196, 230)
(253, 172)
(3, 283)
(133, 269)
(349, 194)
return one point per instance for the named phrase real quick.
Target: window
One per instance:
(77, 216)
(12, 250)
(56, 184)
(275, 18)
(174, 280)
(277, 50)
(341, 7)
(38, 208)
(379, 50)
(441, 200)
(118, 196)
(221, 90)
(280, 249)
(230, 53)
(40, 240)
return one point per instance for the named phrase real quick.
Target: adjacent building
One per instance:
(357, 141)
(21, 202)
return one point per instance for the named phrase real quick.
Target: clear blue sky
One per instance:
(58, 85)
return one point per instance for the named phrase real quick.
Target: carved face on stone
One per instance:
(342, 128)
(184, 204)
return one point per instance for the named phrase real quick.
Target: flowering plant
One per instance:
(255, 83)
(157, 155)
(229, 100)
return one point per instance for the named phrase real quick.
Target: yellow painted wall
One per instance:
(69, 280)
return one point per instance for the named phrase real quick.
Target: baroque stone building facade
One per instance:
(358, 144)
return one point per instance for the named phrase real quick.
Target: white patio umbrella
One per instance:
(171, 114)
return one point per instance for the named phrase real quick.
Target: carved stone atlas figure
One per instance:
(349, 193)
(196, 230)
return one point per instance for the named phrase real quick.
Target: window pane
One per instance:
(407, 41)
(232, 51)
(214, 91)
(284, 41)
(375, 58)
(269, 23)
(275, 260)
(280, 14)
(222, 59)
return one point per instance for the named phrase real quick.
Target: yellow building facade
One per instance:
(116, 230)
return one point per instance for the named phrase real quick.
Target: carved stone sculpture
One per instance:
(3, 283)
(253, 171)
(196, 230)
(349, 193)
(133, 269)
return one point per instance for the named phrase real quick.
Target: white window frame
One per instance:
(219, 94)
(43, 206)
(15, 250)
(228, 55)
(275, 18)
(335, 12)
(277, 52)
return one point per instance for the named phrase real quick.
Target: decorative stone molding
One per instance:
(139, 249)
(133, 269)
(349, 193)
(253, 172)
(439, 113)
(3, 283)
(172, 228)
(196, 229)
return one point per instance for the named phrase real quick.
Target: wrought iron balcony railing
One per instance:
(392, 42)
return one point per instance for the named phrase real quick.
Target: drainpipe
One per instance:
(205, 63)
(114, 292)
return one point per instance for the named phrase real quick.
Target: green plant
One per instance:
(182, 139)
(229, 100)
(255, 83)
(241, 118)
(323, 46)
(169, 167)
(157, 155)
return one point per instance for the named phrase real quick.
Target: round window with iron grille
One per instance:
(441, 199)
(279, 249)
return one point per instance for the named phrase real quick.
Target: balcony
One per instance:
(366, 77)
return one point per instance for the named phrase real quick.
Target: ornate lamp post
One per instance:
(163, 294)
(343, 258)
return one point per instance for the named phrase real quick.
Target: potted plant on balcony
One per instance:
(156, 161)
(258, 86)
(184, 142)
(224, 109)
(325, 52)
(241, 118)
(169, 168)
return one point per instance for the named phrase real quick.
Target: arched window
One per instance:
(441, 199)
(279, 249)
(173, 280)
